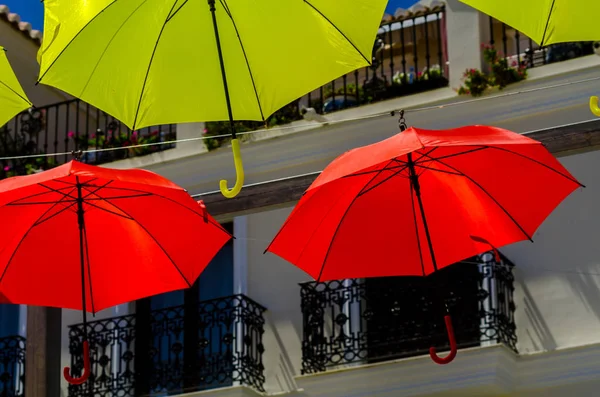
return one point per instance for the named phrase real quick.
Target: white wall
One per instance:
(466, 31)
(274, 284)
(558, 306)
(70, 317)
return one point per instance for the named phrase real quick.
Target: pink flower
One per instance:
(205, 131)
(134, 134)
(7, 168)
(71, 134)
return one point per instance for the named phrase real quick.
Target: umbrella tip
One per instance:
(401, 120)
(77, 154)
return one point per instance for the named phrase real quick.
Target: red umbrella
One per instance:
(87, 238)
(3, 299)
(420, 201)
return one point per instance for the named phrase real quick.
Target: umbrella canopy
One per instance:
(413, 203)
(546, 21)
(160, 62)
(13, 99)
(156, 62)
(142, 235)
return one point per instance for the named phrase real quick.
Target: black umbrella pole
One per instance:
(414, 180)
(81, 224)
(85, 344)
(211, 5)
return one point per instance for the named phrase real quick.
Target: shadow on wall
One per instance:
(284, 376)
(585, 286)
(538, 331)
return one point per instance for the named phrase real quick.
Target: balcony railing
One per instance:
(180, 349)
(408, 57)
(359, 321)
(72, 125)
(12, 366)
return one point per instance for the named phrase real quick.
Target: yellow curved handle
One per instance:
(239, 170)
(594, 106)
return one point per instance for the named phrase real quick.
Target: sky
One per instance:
(395, 4)
(32, 10)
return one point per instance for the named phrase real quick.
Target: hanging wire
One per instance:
(330, 122)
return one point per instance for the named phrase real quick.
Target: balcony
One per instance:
(12, 366)
(216, 343)
(365, 321)
(73, 125)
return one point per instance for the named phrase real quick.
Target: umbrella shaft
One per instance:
(414, 180)
(81, 222)
(211, 4)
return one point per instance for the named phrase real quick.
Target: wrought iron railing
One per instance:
(408, 57)
(72, 125)
(12, 366)
(379, 319)
(179, 349)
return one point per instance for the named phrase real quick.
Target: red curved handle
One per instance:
(450, 357)
(86, 368)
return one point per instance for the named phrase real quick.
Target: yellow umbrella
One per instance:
(12, 97)
(151, 62)
(547, 21)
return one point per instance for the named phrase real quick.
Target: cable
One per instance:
(283, 128)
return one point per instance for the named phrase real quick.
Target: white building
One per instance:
(249, 328)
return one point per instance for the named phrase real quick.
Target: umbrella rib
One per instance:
(226, 7)
(460, 153)
(373, 171)
(537, 162)
(15, 202)
(438, 170)
(337, 229)
(168, 199)
(73, 39)
(162, 29)
(547, 23)
(363, 192)
(156, 241)
(488, 194)
(87, 200)
(40, 221)
(108, 45)
(23, 239)
(339, 30)
(16, 93)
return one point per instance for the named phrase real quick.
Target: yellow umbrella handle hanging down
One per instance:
(235, 144)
